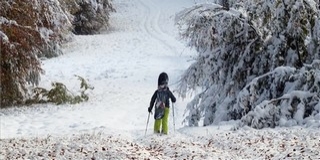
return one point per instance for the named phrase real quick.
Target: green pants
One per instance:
(158, 123)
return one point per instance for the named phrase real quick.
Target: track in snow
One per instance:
(151, 25)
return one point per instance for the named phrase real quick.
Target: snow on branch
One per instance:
(282, 97)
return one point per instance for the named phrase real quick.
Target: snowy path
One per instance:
(123, 66)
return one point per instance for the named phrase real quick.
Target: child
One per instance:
(161, 97)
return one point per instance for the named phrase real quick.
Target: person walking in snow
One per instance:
(160, 99)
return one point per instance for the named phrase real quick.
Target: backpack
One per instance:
(160, 103)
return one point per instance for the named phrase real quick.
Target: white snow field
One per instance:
(123, 64)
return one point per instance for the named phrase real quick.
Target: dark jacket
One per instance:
(168, 95)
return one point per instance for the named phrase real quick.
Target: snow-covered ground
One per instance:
(123, 64)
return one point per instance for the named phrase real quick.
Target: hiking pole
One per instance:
(145, 133)
(174, 124)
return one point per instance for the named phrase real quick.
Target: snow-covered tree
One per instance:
(29, 30)
(291, 29)
(227, 44)
(45, 17)
(236, 47)
(90, 16)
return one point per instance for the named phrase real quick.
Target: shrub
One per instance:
(59, 94)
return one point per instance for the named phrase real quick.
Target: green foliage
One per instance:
(59, 94)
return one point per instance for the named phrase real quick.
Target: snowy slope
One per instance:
(123, 64)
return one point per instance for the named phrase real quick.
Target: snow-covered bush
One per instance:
(258, 44)
(90, 16)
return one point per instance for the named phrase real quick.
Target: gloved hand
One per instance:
(149, 109)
